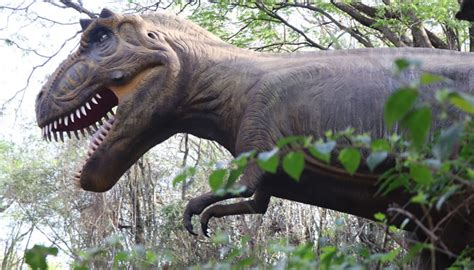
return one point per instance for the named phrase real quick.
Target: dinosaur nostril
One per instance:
(117, 76)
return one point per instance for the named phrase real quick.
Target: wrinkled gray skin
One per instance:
(197, 84)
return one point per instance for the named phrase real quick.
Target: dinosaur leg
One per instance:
(257, 205)
(249, 180)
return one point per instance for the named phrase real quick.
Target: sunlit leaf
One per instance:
(428, 78)
(375, 158)
(268, 161)
(322, 150)
(380, 216)
(380, 145)
(289, 140)
(462, 101)
(216, 179)
(350, 159)
(293, 164)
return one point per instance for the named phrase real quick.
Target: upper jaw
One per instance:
(84, 117)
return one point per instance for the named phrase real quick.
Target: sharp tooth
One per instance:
(112, 112)
(72, 117)
(68, 134)
(55, 136)
(49, 136)
(61, 136)
(76, 134)
(100, 122)
(106, 117)
(89, 129)
(108, 125)
(78, 114)
(83, 110)
(66, 120)
(83, 133)
(50, 127)
(96, 144)
(94, 100)
(55, 124)
(98, 96)
(88, 106)
(60, 120)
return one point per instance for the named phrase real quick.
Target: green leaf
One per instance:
(121, 256)
(243, 158)
(375, 158)
(327, 255)
(291, 139)
(183, 175)
(350, 159)
(233, 176)
(462, 101)
(216, 179)
(428, 78)
(418, 123)
(401, 64)
(419, 198)
(380, 145)
(268, 161)
(322, 150)
(36, 256)
(293, 164)
(380, 216)
(398, 105)
(447, 140)
(386, 257)
(391, 184)
(421, 174)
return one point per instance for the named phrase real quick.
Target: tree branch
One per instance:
(369, 22)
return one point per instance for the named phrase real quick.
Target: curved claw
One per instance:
(187, 222)
(205, 217)
(205, 229)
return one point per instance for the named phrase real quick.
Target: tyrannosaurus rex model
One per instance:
(167, 75)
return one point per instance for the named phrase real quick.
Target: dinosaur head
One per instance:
(121, 87)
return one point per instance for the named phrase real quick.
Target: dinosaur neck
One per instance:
(218, 94)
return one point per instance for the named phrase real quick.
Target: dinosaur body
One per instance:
(167, 76)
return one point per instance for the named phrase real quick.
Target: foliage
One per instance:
(36, 256)
(146, 212)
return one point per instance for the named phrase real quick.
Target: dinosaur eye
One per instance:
(152, 35)
(102, 37)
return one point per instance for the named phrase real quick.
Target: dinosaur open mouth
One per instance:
(85, 118)
(94, 117)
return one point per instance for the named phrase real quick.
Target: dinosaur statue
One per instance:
(167, 75)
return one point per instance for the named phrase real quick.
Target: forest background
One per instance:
(138, 223)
